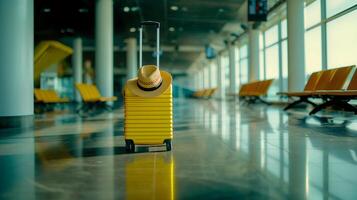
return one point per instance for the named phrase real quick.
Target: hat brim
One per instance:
(166, 83)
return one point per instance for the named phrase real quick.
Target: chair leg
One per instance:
(322, 106)
(80, 108)
(293, 104)
(250, 100)
(301, 100)
(339, 103)
(108, 107)
(263, 101)
(346, 106)
(83, 109)
(310, 102)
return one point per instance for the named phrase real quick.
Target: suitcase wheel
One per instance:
(129, 146)
(168, 145)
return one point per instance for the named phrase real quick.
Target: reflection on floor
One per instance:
(220, 151)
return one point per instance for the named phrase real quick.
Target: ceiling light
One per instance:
(126, 9)
(132, 29)
(184, 9)
(69, 30)
(221, 10)
(180, 29)
(174, 8)
(83, 10)
(172, 29)
(47, 10)
(134, 9)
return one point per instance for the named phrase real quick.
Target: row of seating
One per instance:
(46, 100)
(253, 91)
(92, 98)
(90, 94)
(48, 97)
(328, 85)
(204, 93)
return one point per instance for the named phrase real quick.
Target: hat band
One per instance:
(156, 81)
(149, 89)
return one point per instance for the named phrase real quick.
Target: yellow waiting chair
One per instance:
(92, 98)
(47, 99)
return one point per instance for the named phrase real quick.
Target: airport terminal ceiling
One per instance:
(183, 23)
(186, 25)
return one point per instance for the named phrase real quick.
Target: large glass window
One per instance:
(261, 65)
(313, 14)
(284, 55)
(244, 51)
(206, 77)
(313, 50)
(244, 70)
(271, 60)
(213, 74)
(261, 57)
(243, 63)
(225, 64)
(335, 6)
(284, 29)
(272, 68)
(271, 35)
(338, 42)
(342, 41)
(237, 59)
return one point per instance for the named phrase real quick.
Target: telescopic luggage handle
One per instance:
(157, 25)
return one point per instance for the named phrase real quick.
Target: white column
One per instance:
(104, 46)
(131, 58)
(220, 79)
(16, 59)
(296, 46)
(232, 70)
(77, 62)
(253, 55)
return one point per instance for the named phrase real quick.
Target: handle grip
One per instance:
(157, 25)
(150, 23)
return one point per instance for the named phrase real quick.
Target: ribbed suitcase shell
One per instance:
(148, 121)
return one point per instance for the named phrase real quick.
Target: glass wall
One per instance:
(330, 42)
(206, 76)
(213, 73)
(273, 57)
(261, 57)
(331, 31)
(313, 42)
(225, 64)
(243, 64)
(342, 40)
(237, 62)
(334, 7)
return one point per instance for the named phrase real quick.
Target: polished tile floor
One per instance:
(221, 150)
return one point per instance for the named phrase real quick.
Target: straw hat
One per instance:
(151, 82)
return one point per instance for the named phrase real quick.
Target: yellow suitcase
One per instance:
(148, 121)
(147, 125)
